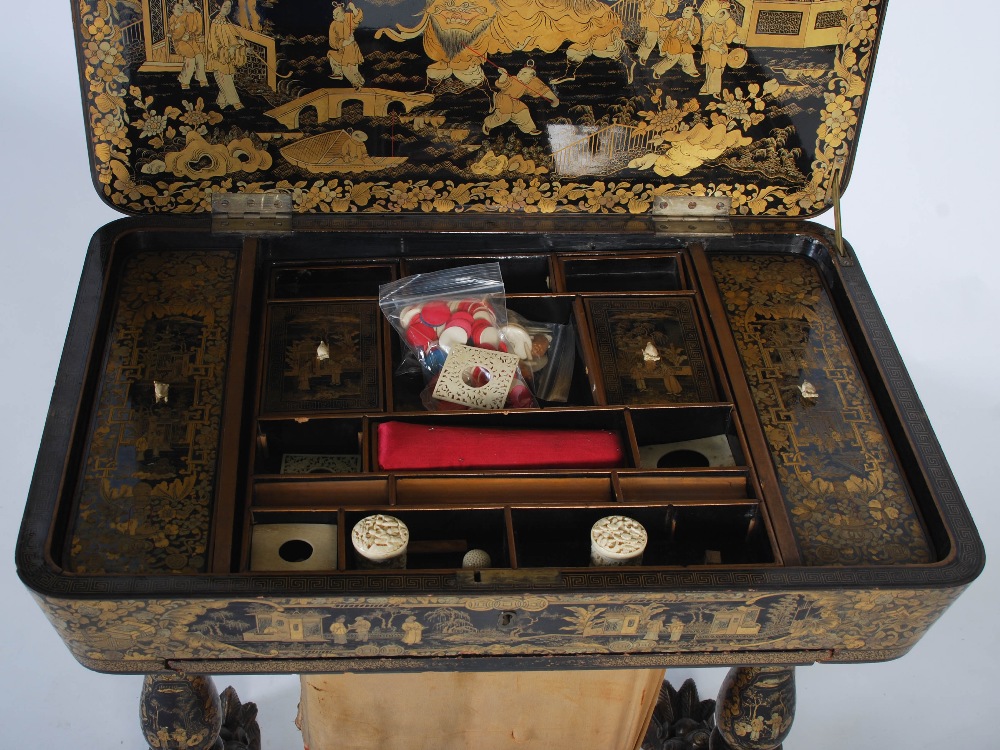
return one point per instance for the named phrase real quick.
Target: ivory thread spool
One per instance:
(380, 542)
(617, 540)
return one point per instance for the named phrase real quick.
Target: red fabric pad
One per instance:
(403, 446)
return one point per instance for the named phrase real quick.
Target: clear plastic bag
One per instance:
(549, 352)
(453, 310)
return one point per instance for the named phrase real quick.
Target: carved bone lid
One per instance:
(450, 106)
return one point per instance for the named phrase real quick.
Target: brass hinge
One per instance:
(706, 215)
(251, 212)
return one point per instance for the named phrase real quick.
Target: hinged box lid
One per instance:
(447, 106)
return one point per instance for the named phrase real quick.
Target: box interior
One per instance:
(696, 470)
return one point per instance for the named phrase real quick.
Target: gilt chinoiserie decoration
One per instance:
(441, 106)
(232, 403)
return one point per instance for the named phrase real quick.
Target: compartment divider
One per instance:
(223, 536)
(329, 492)
(385, 364)
(393, 491)
(631, 439)
(616, 487)
(341, 540)
(364, 446)
(483, 490)
(589, 352)
(685, 486)
(731, 362)
(508, 520)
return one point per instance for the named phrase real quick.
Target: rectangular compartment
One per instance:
(684, 486)
(640, 273)
(678, 535)
(440, 538)
(576, 389)
(687, 437)
(509, 489)
(600, 421)
(319, 281)
(322, 492)
(279, 439)
(406, 378)
(322, 357)
(522, 274)
(650, 350)
(293, 542)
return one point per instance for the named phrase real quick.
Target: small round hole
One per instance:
(682, 459)
(476, 376)
(295, 551)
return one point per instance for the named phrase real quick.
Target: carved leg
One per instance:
(176, 709)
(755, 709)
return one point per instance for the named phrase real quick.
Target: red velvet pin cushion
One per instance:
(447, 447)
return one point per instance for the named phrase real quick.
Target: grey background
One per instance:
(919, 212)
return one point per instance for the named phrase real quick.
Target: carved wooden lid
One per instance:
(451, 106)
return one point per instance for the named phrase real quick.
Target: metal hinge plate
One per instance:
(251, 212)
(692, 215)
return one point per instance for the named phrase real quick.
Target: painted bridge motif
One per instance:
(329, 103)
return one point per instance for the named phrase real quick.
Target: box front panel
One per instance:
(688, 627)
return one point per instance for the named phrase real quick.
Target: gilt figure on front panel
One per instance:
(574, 105)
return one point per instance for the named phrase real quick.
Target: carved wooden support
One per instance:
(681, 720)
(755, 708)
(185, 712)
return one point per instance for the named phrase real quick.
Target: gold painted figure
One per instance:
(653, 18)
(362, 627)
(412, 631)
(345, 56)
(339, 630)
(677, 40)
(456, 39)
(353, 149)
(187, 32)
(507, 104)
(459, 36)
(596, 31)
(720, 32)
(226, 52)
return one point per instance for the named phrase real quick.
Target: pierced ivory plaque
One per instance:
(477, 378)
(320, 463)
